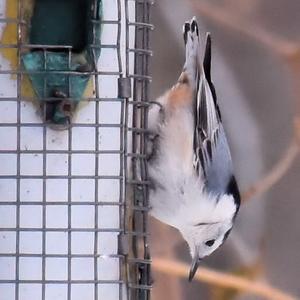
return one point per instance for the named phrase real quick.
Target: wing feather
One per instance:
(212, 159)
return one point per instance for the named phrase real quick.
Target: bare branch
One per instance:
(224, 280)
(275, 174)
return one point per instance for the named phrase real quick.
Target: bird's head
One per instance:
(207, 235)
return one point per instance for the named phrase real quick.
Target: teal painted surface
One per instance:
(57, 22)
(45, 83)
(67, 23)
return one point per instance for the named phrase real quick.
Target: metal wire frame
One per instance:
(140, 113)
(134, 262)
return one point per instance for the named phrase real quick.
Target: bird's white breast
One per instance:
(172, 169)
(178, 195)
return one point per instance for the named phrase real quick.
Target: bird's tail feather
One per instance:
(192, 45)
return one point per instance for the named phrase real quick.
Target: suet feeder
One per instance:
(74, 203)
(65, 36)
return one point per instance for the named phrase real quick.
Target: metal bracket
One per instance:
(123, 244)
(124, 87)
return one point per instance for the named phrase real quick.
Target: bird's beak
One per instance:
(194, 266)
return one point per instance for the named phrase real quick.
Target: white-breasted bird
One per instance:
(193, 187)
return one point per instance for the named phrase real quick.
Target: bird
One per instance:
(192, 183)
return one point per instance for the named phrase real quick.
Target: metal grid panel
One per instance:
(139, 108)
(44, 180)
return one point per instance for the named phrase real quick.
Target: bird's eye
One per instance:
(210, 243)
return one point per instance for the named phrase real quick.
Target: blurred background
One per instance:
(255, 68)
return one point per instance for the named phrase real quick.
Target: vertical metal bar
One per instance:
(44, 207)
(119, 38)
(95, 14)
(135, 139)
(69, 196)
(125, 134)
(19, 92)
(139, 146)
(127, 37)
(147, 58)
(122, 185)
(144, 120)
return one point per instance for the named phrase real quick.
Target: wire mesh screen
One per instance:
(73, 202)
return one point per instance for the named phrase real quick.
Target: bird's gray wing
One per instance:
(212, 159)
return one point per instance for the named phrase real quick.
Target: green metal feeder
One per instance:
(65, 39)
